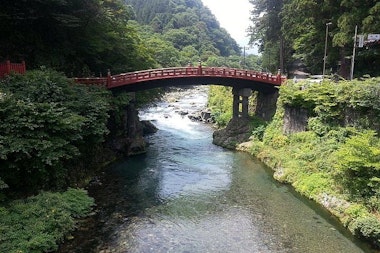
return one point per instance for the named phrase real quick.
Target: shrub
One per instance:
(38, 223)
(316, 125)
(314, 184)
(47, 121)
(258, 125)
(367, 227)
(358, 164)
(220, 103)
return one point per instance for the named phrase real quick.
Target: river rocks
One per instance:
(237, 131)
(148, 127)
(129, 146)
(334, 204)
(137, 146)
(245, 146)
(206, 115)
(196, 111)
(202, 116)
(182, 113)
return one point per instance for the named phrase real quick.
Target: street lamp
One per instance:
(325, 55)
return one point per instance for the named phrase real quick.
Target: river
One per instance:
(188, 195)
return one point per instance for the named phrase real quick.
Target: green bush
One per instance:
(47, 121)
(367, 227)
(316, 125)
(38, 223)
(258, 125)
(358, 164)
(333, 102)
(312, 185)
(220, 103)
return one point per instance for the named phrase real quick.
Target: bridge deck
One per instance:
(130, 78)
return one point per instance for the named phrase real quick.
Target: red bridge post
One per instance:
(8, 69)
(108, 78)
(23, 67)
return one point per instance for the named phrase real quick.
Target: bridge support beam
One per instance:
(266, 105)
(240, 102)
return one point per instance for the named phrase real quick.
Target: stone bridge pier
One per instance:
(240, 102)
(265, 107)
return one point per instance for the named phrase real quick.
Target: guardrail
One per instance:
(167, 73)
(7, 67)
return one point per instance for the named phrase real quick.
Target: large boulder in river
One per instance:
(126, 135)
(148, 127)
(206, 116)
(237, 131)
(201, 116)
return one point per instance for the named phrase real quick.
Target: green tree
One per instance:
(77, 37)
(189, 55)
(303, 27)
(164, 52)
(266, 32)
(295, 30)
(180, 38)
(47, 122)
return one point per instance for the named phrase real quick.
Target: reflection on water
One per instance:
(191, 196)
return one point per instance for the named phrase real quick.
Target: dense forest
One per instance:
(186, 24)
(295, 31)
(76, 37)
(83, 38)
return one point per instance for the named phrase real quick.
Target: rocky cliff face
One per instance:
(266, 105)
(126, 137)
(295, 120)
(237, 131)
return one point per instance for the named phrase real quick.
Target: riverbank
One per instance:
(188, 195)
(332, 163)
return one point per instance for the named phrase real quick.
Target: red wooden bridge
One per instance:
(153, 78)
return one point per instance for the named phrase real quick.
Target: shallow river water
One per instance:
(188, 195)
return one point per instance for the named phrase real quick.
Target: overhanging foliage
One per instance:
(46, 121)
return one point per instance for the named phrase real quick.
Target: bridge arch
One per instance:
(242, 81)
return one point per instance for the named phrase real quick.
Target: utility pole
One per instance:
(325, 55)
(244, 58)
(353, 54)
(282, 53)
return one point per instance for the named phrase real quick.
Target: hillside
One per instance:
(185, 23)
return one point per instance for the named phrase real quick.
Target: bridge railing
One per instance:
(140, 76)
(100, 81)
(7, 67)
(167, 73)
